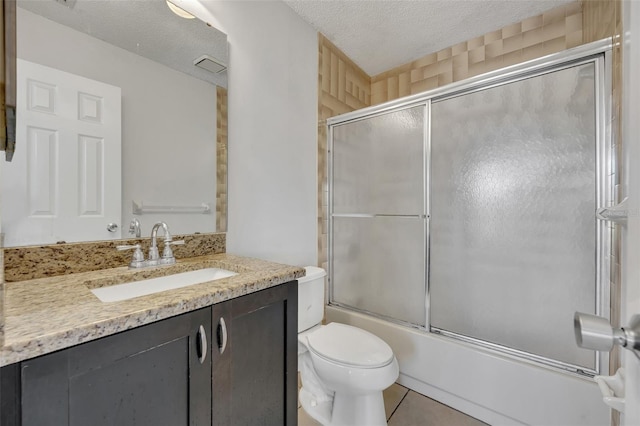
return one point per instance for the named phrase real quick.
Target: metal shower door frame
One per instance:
(352, 118)
(598, 53)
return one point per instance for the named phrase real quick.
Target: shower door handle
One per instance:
(593, 332)
(617, 213)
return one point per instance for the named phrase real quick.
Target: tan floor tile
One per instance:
(305, 420)
(418, 410)
(392, 397)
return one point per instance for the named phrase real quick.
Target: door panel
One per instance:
(254, 357)
(42, 171)
(90, 176)
(150, 375)
(378, 165)
(68, 136)
(513, 233)
(155, 384)
(385, 279)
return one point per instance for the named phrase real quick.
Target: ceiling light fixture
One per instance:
(179, 11)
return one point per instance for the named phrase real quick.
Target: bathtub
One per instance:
(495, 388)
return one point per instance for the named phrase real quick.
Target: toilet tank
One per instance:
(311, 298)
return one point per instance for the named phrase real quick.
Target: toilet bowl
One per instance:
(344, 369)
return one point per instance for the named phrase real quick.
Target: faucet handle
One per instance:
(138, 256)
(167, 254)
(128, 247)
(134, 227)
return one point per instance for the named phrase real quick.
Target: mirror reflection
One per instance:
(115, 123)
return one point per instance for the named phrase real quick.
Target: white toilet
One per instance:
(344, 369)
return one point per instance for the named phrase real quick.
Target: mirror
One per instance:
(102, 60)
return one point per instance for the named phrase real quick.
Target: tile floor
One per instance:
(405, 407)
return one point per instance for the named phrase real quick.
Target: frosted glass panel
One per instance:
(378, 266)
(513, 229)
(378, 164)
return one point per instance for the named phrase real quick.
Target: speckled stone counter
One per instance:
(30, 262)
(47, 314)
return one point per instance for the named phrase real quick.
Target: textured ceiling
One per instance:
(379, 35)
(146, 28)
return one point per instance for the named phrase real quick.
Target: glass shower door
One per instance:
(377, 215)
(513, 194)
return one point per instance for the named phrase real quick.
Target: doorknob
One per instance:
(112, 227)
(596, 333)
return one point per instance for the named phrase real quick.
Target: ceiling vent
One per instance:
(210, 64)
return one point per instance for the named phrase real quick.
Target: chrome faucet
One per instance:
(154, 258)
(167, 254)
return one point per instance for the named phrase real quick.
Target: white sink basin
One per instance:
(118, 292)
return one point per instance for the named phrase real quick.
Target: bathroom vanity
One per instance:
(217, 353)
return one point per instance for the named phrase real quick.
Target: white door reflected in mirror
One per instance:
(64, 181)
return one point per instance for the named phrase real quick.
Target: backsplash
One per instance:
(30, 262)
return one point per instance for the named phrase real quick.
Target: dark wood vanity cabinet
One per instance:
(157, 374)
(255, 358)
(165, 374)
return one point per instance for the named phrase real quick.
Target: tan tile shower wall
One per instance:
(342, 87)
(551, 32)
(601, 18)
(221, 160)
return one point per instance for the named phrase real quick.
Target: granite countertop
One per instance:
(47, 314)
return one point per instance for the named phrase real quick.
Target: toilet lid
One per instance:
(350, 346)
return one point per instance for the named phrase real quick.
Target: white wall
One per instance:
(631, 184)
(272, 130)
(168, 120)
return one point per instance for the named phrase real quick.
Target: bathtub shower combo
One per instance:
(463, 232)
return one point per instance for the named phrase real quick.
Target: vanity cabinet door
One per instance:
(154, 375)
(255, 358)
